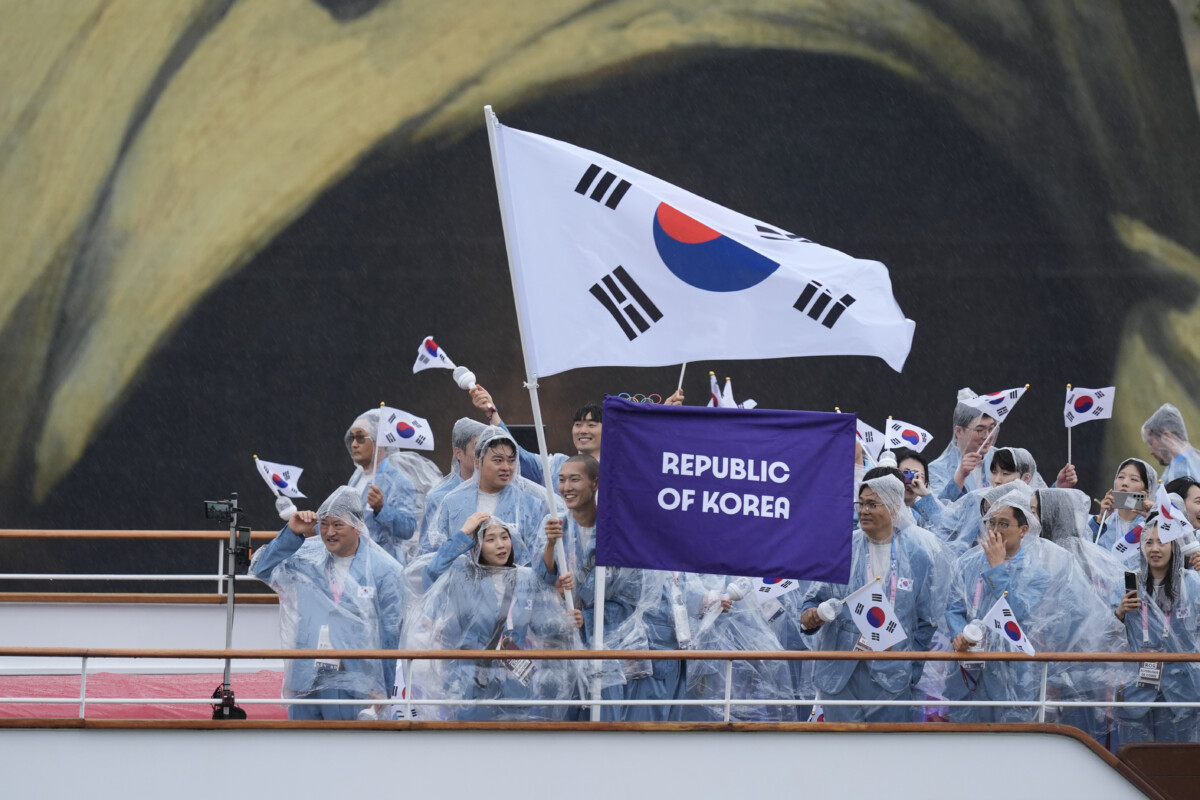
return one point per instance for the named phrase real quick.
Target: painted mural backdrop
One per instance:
(225, 226)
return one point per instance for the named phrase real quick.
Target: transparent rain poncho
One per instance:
(664, 617)
(1116, 527)
(1166, 419)
(424, 476)
(477, 606)
(1063, 515)
(1053, 602)
(914, 578)
(327, 602)
(521, 501)
(1025, 463)
(465, 429)
(1171, 623)
(960, 521)
(394, 526)
(941, 469)
(622, 584)
(742, 628)
(1165, 432)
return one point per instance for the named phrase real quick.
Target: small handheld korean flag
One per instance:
(997, 405)
(1128, 544)
(905, 434)
(1084, 405)
(714, 391)
(1002, 620)
(872, 441)
(400, 429)
(283, 479)
(430, 356)
(875, 617)
(1172, 521)
(767, 588)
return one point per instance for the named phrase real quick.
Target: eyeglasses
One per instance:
(870, 505)
(1001, 525)
(360, 437)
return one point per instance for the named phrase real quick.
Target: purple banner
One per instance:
(726, 491)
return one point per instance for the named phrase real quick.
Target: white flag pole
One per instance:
(682, 370)
(1068, 428)
(490, 121)
(375, 439)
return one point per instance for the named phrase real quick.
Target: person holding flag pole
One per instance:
(388, 496)
(963, 466)
(908, 568)
(612, 266)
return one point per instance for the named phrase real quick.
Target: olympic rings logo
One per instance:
(641, 398)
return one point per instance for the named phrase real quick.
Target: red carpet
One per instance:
(264, 684)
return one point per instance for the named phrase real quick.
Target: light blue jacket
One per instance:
(366, 616)
(397, 519)
(922, 566)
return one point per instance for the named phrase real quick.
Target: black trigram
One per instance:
(869, 437)
(767, 232)
(602, 186)
(858, 609)
(1099, 410)
(815, 308)
(1070, 417)
(1099, 393)
(874, 636)
(891, 627)
(1014, 394)
(1006, 612)
(619, 288)
(876, 598)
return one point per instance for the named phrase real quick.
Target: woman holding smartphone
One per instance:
(1161, 615)
(1116, 522)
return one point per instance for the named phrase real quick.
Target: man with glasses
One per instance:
(912, 570)
(963, 466)
(389, 498)
(1053, 605)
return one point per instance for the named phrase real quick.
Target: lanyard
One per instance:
(334, 589)
(870, 571)
(1146, 625)
(508, 623)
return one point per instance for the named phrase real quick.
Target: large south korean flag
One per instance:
(612, 266)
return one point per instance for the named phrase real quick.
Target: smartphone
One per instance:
(1129, 501)
(1131, 581)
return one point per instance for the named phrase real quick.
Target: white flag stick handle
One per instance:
(682, 370)
(1069, 428)
(601, 575)
(490, 122)
(375, 441)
